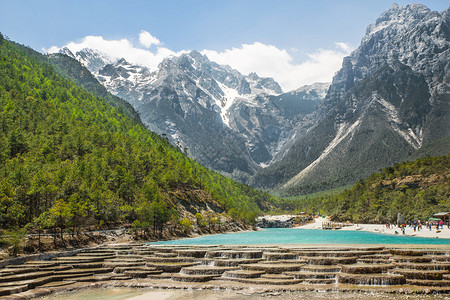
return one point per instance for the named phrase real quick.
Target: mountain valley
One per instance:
(388, 103)
(232, 123)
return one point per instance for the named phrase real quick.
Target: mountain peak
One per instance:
(397, 16)
(67, 52)
(318, 88)
(395, 6)
(197, 55)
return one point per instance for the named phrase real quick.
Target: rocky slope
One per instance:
(390, 100)
(232, 123)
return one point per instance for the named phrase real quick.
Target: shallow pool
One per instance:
(304, 236)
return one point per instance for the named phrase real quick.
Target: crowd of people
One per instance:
(417, 225)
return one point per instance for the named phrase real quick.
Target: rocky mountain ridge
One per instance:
(390, 100)
(232, 123)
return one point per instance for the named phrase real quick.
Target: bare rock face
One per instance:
(390, 101)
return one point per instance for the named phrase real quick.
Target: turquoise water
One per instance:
(304, 236)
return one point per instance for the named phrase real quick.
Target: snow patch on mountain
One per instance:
(229, 97)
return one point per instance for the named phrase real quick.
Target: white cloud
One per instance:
(146, 39)
(121, 48)
(270, 61)
(265, 60)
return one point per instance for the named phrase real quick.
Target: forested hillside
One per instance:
(417, 189)
(70, 157)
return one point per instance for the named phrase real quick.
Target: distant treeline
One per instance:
(417, 189)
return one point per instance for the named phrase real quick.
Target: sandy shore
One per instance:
(381, 228)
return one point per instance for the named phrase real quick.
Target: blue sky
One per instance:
(300, 28)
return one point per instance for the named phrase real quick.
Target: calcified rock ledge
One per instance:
(406, 269)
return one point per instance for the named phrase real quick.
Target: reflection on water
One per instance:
(167, 294)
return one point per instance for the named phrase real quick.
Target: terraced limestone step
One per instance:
(70, 276)
(319, 268)
(161, 249)
(25, 276)
(264, 249)
(94, 255)
(155, 259)
(249, 254)
(433, 283)
(57, 268)
(373, 261)
(122, 264)
(192, 278)
(431, 252)
(100, 250)
(424, 266)
(82, 271)
(263, 281)
(120, 270)
(197, 253)
(36, 263)
(100, 254)
(120, 246)
(421, 274)
(55, 284)
(141, 273)
(120, 277)
(30, 283)
(143, 252)
(242, 274)
(277, 276)
(76, 259)
(371, 279)
(222, 262)
(284, 261)
(271, 256)
(272, 268)
(407, 252)
(335, 253)
(165, 254)
(319, 281)
(125, 260)
(366, 268)
(160, 276)
(13, 290)
(171, 267)
(94, 265)
(312, 275)
(205, 270)
(442, 258)
(410, 259)
(128, 256)
(15, 271)
(319, 260)
(91, 278)
(378, 256)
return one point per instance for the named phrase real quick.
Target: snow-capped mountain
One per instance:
(232, 123)
(390, 101)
